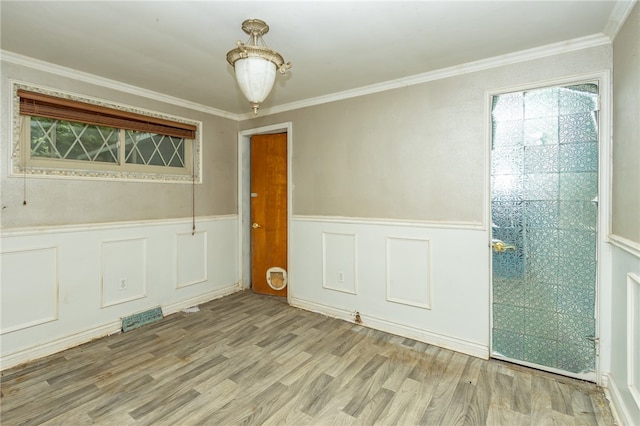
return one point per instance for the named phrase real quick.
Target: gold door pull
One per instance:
(256, 226)
(500, 246)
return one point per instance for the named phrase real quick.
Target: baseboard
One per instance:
(447, 342)
(620, 413)
(59, 345)
(198, 300)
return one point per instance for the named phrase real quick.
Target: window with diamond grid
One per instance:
(58, 134)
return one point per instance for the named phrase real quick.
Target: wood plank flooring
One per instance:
(254, 360)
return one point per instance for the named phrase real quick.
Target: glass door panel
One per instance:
(544, 180)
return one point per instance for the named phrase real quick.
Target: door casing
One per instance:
(604, 268)
(244, 200)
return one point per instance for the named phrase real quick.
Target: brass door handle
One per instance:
(500, 246)
(256, 226)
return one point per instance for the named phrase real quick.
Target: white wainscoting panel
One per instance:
(633, 336)
(339, 262)
(191, 258)
(446, 268)
(408, 271)
(29, 288)
(623, 375)
(124, 271)
(78, 278)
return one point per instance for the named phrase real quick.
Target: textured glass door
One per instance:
(544, 194)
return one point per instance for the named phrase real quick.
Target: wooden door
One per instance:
(268, 211)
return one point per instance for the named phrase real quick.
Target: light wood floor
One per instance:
(250, 359)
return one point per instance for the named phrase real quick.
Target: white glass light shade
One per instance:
(255, 77)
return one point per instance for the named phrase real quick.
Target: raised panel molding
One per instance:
(409, 271)
(124, 271)
(633, 336)
(191, 258)
(409, 278)
(339, 260)
(37, 270)
(87, 263)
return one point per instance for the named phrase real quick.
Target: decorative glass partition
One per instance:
(544, 177)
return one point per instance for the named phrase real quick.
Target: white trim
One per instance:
(456, 70)
(205, 249)
(633, 323)
(440, 340)
(198, 300)
(48, 67)
(622, 243)
(355, 263)
(56, 314)
(427, 303)
(58, 345)
(618, 408)
(244, 197)
(471, 226)
(58, 229)
(453, 71)
(144, 273)
(619, 15)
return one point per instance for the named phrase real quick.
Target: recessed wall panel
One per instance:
(339, 262)
(408, 272)
(29, 288)
(191, 258)
(633, 336)
(124, 266)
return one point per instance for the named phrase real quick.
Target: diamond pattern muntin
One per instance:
(544, 188)
(154, 149)
(73, 141)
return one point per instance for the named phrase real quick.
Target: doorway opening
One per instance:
(545, 165)
(276, 277)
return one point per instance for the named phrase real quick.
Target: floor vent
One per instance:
(141, 318)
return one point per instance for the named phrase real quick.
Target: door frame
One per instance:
(244, 199)
(604, 268)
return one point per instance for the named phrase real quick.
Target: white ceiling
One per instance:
(178, 48)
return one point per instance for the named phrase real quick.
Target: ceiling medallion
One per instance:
(255, 64)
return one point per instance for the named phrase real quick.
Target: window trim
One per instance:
(25, 165)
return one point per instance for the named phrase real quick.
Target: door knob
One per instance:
(256, 226)
(500, 246)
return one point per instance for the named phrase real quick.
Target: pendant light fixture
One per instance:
(255, 64)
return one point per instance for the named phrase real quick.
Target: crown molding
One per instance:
(618, 16)
(26, 61)
(469, 67)
(457, 70)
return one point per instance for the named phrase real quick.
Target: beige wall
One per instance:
(417, 152)
(66, 201)
(626, 129)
